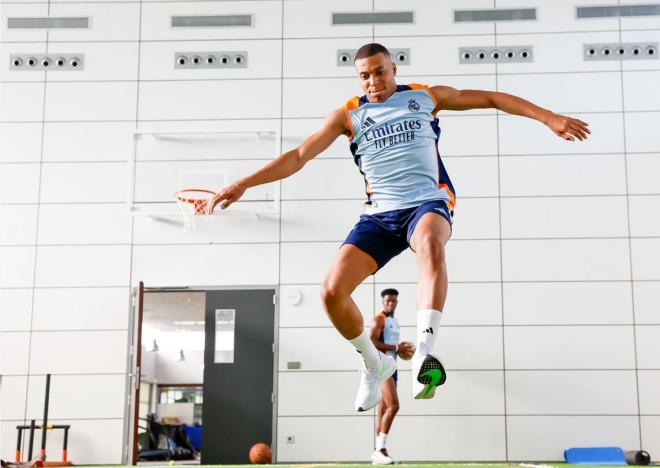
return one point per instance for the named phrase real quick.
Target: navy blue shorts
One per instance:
(395, 376)
(385, 235)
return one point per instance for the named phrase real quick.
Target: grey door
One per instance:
(238, 382)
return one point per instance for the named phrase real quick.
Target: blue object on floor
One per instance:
(595, 456)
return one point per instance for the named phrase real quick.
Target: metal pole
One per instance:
(44, 424)
(18, 444)
(31, 442)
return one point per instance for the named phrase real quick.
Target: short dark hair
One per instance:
(389, 292)
(368, 50)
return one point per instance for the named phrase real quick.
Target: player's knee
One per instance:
(431, 250)
(331, 294)
(394, 407)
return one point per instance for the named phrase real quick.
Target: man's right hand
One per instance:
(405, 350)
(227, 196)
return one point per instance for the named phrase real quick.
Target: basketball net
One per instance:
(192, 204)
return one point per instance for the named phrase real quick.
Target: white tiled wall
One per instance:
(551, 323)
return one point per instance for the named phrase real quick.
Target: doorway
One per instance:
(207, 361)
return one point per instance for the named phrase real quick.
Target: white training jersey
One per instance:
(390, 333)
(395, 146)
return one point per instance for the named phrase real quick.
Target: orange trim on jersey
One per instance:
(352, 104)
(428, 90)
(452, 198)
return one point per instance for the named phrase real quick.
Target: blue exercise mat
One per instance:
(595, 456)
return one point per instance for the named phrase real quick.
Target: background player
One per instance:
(385, 336)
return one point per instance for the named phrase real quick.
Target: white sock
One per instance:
(381, 440)
(428, 322)
(366, 348)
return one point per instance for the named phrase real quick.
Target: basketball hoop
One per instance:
(193, 203)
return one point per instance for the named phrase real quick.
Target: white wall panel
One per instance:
(264, 60)
(13, 395)
(569, 347)
(574, 303)
(216, 229)
(436, 18)
(546, 437)
(19, 183)
(484, 345)
(571, 392)
(645, 259)
(567, 92)
(648, 346)
(84, 224)
(22, 11)
(309, 311)
(107, 265)
(329, 95)
(476, 218)
(315, 58)
(108, 22)
(300, 394)
(14, 352)
(651, 433)
(565, 260)
(641, 224)
(295, 131)
(318, 19)
(556, 52)
(473, 176)
(645, 34)
(16, 267)
(87, 141)
(467, 135)
(156, 20)
(227, 99)
(307, 263)
(351, 436)
(563, 175)
(102, 61)
(640, 131)
(640, 90)
(81, 309)
(557, 17)
(20, 102)
(320, 220)
(15, 309)
(326, 179)
(205, 265)
(639, 168)
(436, 55)
(564, 217)
(19, 224)
(84, 182)
(77, 396)
(647, 302)
(466, 261)
(90, 101)
(78, 352)
(20, 142)
(467, 393)
(467, 303)
(444, 438)
(156, 181)
(27, 48)
(649, 382)
(520, 136)
(317, 349)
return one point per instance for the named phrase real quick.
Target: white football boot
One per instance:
(381, 457)
(368, 394)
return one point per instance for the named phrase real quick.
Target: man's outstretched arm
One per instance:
(287, 163)
(449, 98)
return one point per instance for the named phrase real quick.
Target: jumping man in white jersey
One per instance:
(393, 133)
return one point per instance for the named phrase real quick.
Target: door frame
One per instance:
(129, 452)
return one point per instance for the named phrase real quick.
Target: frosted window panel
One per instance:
(225, 321)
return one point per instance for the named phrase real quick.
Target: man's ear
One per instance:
(394, 69)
